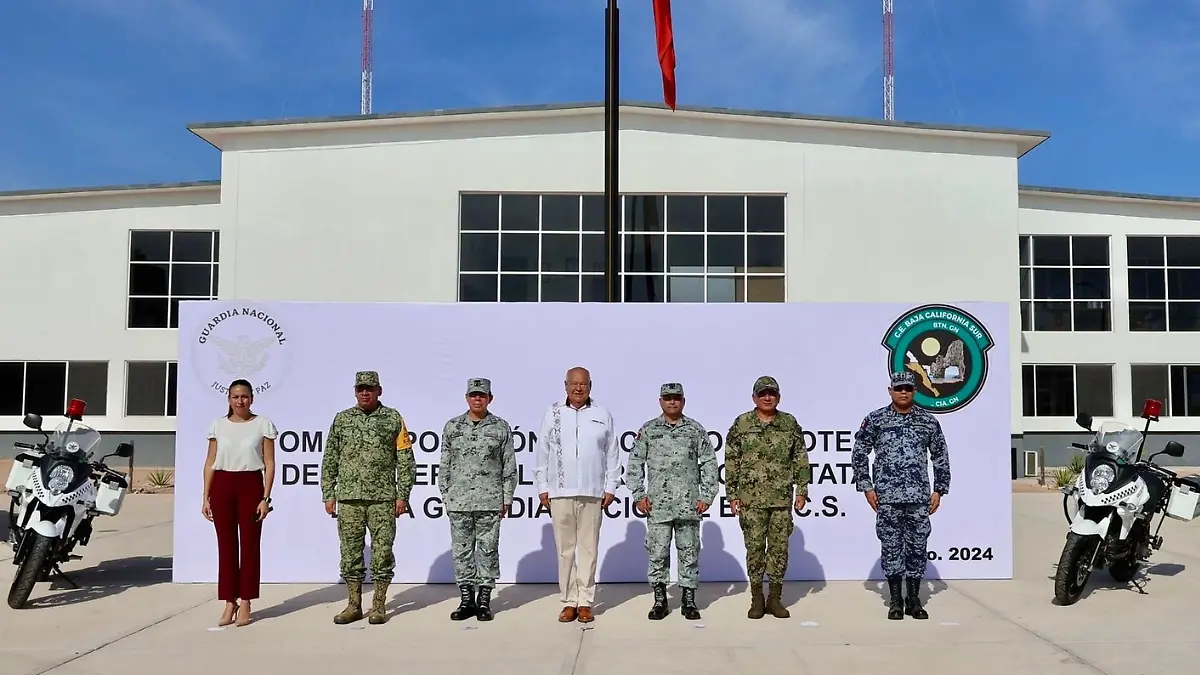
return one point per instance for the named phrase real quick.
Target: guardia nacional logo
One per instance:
(947, 349)
(241, 341)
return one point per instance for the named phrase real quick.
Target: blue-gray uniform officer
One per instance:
(905, 440)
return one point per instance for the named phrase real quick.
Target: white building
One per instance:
(753, 207)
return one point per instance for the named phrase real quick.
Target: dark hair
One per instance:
(240, 383)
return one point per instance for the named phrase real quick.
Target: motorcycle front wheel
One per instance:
(30, 570)
(1074, 567)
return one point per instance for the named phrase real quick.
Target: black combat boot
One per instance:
(912, 604)
(466, 606)
(688, 606)
(484, 604)
(659, 610)
(896, 602)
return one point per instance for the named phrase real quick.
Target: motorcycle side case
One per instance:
(1184, 503)
(109, 498)
(18, 475)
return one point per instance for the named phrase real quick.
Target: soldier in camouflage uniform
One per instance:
(765, 459)
(672, 474)
(905, 439)
(477, 479)
(367, 474)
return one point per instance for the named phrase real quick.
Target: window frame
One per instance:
(1030, 384)
(1028, 267)
(93, 403)
(1164, 270)
(704, 275)
(170, 381)
(1170, 400)
(172, 300)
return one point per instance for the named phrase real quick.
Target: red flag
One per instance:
(664, 35)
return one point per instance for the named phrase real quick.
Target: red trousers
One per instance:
(234, 498)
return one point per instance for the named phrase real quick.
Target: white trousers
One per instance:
(576, 523)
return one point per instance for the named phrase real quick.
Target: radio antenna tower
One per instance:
(889, 80)
(368, 55)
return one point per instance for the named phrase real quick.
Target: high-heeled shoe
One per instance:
(228, 615)
(243, 616)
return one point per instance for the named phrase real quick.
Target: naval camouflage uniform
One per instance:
(764, 462)
(367, 466)
(675, 466)
(905, 444)
(477, 479)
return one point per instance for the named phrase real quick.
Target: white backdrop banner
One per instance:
(831, 360)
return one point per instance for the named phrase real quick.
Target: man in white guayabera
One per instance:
(577, 470)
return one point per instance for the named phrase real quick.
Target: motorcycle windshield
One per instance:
(73, 437)
(1117, 439)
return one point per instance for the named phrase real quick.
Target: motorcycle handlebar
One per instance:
(27, 446)
(1079, 446)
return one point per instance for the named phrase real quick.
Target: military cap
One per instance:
(366, 378)
(903, 377)
(671, 389)
(765, 383)
(479, 385)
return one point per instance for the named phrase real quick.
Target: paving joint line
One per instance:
(571, 661)
(1065, 650)
(93, 650)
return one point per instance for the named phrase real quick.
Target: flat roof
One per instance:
(92, 191)
(216, 132)
(1105, 195)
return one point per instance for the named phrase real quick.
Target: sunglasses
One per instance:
(904, 388)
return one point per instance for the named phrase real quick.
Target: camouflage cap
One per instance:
(903, 377)
(479, 385)
(366, 378)
(671, 389)
(765, 383)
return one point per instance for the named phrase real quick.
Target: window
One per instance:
(1164, 284)
(1067, 390)
(150, 388)
(676, 248)
(1065, 283)
(44, 387)
(166, 267)
(1177, 386)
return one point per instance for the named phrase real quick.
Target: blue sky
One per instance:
(99, 92)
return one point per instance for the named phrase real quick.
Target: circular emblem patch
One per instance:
(946, 348)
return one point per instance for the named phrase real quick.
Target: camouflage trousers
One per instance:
(766, 533)
(475, 545)
(355, 518)
(903, 531)
(687, 544)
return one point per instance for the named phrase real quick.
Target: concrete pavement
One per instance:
(128, 618)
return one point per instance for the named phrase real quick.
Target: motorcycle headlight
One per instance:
(60, 477)
(1102, 477)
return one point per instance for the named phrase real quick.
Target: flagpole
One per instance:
(612, 195)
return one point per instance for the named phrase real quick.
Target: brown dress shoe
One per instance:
(567, 615)
(585, 615)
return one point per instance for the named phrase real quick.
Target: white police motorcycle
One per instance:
(1114, 500)
(56, 491)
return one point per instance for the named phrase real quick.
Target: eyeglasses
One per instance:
(908, 388)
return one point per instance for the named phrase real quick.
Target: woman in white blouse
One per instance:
(238, 475)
